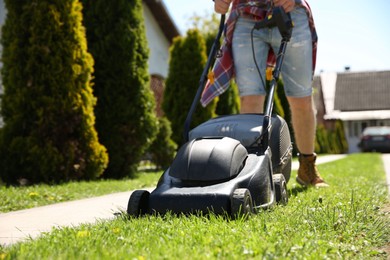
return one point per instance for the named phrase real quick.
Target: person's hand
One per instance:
(288, 5)
(222, 6)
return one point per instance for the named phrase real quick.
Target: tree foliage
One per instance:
(125, 117)
(47, 105)
(187, 61)
(163, 148)
(331, 141)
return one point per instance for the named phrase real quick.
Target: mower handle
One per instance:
(203, 79)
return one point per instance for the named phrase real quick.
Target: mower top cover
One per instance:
(209, 159)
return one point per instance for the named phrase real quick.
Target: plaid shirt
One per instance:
(223, 71)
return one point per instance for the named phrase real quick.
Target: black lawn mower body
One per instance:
(232, 164)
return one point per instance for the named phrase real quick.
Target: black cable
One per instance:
(254, 59)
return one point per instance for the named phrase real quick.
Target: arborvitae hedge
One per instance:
(341, 139)
(281, 105)
(163, 148)
(125, 117)
(47, 105)
(331, 141)
(187, 61)
(229, 101)
(322, 141)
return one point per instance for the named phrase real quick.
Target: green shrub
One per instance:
(331, 140)
(187, 61)
(125, 117)
(163, 148)
(229, 101)
(47, 105)
(322, 142)
(340, 137)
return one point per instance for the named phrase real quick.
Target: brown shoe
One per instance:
(308, 174)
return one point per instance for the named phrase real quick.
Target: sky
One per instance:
(353, 33)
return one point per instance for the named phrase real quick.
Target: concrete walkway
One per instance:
(386, 165)
(30, 223)
(23, 224)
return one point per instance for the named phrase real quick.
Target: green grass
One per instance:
(16, 198)
(345, 221)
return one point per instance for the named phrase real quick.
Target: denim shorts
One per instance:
(297, 66)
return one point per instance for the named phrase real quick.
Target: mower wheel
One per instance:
(138, 203)
(241, 203)
(281, 193)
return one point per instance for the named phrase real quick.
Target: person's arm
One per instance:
(222, 6)
(288, 5)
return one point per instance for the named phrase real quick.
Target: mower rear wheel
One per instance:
(281, 193)
(138, 204)
(241, 203)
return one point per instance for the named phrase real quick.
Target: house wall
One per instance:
(354, 120)
(158, 45)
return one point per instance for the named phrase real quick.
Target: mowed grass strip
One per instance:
(345, 221)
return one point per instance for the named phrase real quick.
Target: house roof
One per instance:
(355, 95)
(362, 91)
(164, 20)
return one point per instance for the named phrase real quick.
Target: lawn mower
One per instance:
(234, 164)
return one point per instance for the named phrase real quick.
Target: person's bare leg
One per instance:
(252, 104)
(304, 124)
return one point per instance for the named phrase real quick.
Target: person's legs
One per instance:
(303, 120)
(297, 79)
(252, 104)
(249, 81)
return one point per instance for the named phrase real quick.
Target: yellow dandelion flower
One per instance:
(116, 230)
(33, 194)
(83, 233)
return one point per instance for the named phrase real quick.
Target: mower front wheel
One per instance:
(241, 203)
(138, 204)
